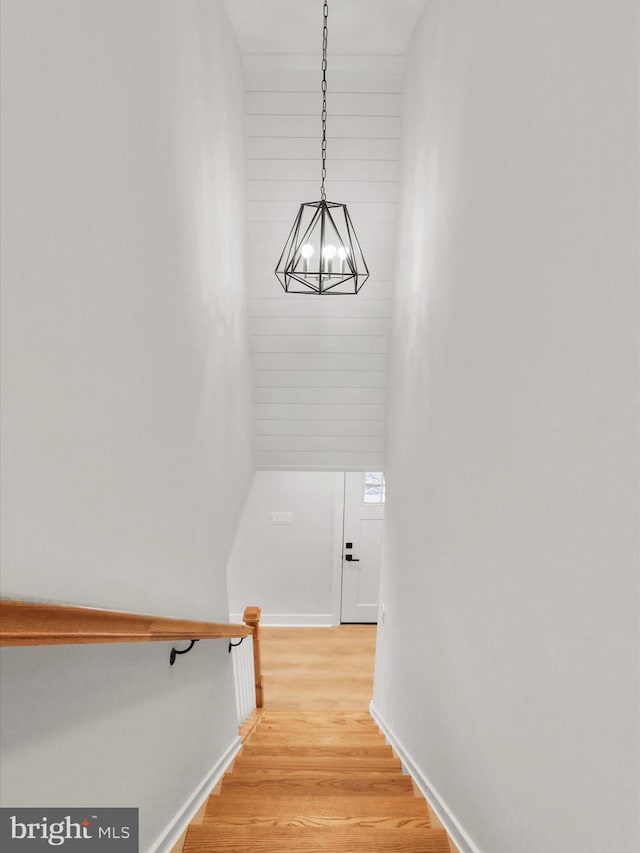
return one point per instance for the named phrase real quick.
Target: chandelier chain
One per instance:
(325, 38)
(322, 254)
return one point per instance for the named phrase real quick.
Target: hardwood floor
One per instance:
(318, 669)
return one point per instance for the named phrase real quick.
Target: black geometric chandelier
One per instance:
(322, 254)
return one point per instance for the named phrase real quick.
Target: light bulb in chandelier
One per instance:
(325, 225)
(329, 253)
(306, 251)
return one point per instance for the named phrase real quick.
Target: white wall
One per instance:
(289, 570)
(508, 664)
(126, 379)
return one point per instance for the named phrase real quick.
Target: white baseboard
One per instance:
(290, 620)
(453, 827)
(174, 829)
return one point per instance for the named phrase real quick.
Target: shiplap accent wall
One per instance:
(320, 362)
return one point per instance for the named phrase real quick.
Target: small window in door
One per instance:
(374, 487)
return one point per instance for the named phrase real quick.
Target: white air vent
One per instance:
(281, 518)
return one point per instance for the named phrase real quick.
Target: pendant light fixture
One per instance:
(322, 254)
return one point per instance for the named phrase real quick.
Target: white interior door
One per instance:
(363, 518)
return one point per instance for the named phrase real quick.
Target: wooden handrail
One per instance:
(251, 618)
(25, 623)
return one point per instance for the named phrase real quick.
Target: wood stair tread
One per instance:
(310, 717)
(327, 718)
(276, 751)
(284, 806)
(316, 762)
(258, 773)
(288, 712)
(312, 738)
(362, 727)
(353, 785)
(318, 821)
(206, 838)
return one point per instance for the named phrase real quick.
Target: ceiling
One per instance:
(358, 27)
(320, 366)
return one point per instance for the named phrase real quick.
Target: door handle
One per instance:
(350, 559)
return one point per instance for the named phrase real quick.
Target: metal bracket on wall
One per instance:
(174, 652)
(233, 645)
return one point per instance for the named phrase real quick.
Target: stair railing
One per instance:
(29, 623)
